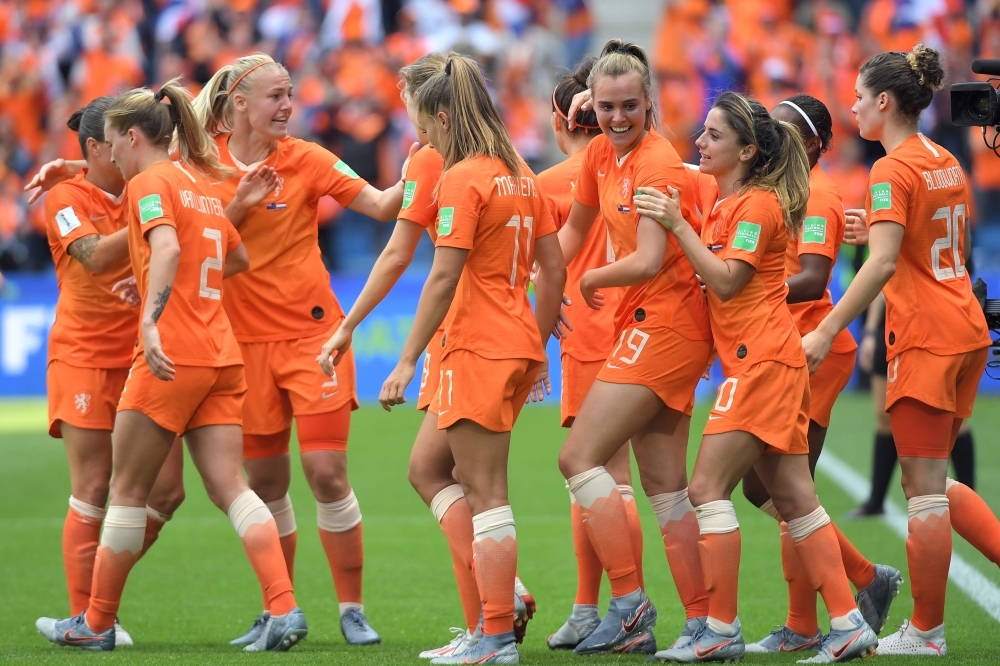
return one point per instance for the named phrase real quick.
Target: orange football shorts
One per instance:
(769, 400)
(83, 397)
(661, 359)
(284, 380)
(198, 396)
(430, 371)
(826, 384)
(577, 378)
(948, 383)
(490, 392)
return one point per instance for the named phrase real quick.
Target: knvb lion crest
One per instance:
(82, 402)
(626, 187)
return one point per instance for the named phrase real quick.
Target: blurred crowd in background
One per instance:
(56, 55)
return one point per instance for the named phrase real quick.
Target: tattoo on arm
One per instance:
(160, 303)
(83, 249)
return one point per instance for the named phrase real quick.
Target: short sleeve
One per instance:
(152, 200)
(66, 215)
(545, 224)
(888, 192)
(233, 236)
(586, 185)
(328, 174)
(750, 229)
(461, 202)
(418, 189)
(823, 227)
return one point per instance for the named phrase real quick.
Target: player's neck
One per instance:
(576, 143)
(894, 134)
(150, 156)
(727, 182)
(250, 147)
(110, 183)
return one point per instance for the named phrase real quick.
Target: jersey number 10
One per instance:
(954, 224)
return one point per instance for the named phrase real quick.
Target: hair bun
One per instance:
(926, 64)
(74, 120)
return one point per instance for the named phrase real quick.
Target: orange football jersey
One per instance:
(286, 294)
(672, 298)
(929, 301)
(593, 335)
(755, 325)
(497, 217)
(822, 234)
(93, 327)
(194, 328)
(419, 202)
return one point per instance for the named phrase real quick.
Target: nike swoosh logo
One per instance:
(630, 625)
(837, 654)
(624, 647)
(700, 654)
(600, 174)
(95, 218)
(443, 412)
(68, 637)
(329, 395)
(713, 418)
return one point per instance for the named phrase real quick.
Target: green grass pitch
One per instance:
(195, 590)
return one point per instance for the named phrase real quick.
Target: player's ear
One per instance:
(444, 120)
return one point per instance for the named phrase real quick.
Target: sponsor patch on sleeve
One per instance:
(150, 208)
(445, 218)
(343, 168)
(747, 235)
(67, 221)
(881, 196)
(409, 189)
(814, 230)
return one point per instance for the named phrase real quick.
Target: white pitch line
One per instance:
(977, 586)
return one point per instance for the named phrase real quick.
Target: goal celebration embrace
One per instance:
(196, 311)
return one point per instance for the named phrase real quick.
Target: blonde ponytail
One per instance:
(476, 128)
(158, 120)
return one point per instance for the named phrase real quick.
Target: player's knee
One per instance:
(570, 464)
(702, 490)
(167, 501)
(328, 480)
(93, 491)
(755, 494)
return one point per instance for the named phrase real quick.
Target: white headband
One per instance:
(803, 114)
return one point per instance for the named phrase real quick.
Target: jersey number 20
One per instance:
(954, 224)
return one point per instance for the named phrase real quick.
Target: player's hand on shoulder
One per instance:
(394, 388)
(128, 291)
(856, 229)
(51, 174)
(664, 208)
(334, 349)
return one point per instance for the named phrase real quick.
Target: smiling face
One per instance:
(622, 108)
(721, 152)
(869, 111)
(268, 105)
(123, 149)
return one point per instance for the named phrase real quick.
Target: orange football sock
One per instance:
(679, 527)
(121, 544)
(259, 533)
(972, 518)
(820, 555)
(802, 617)
(720, 562)
(634, 529)
(81, 534)
(289, 543)
(859, 570)
(346, 554)
(607, 526)
(495, 548)
(452, 513)
(588, 565)
(928, 552)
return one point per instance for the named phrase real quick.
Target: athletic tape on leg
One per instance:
(718, 517)
(669, 507)
(88, 511)
(444, 499)
(124, 529)
(339, 516)
(284, 515)
(800, 528)
(248, 510)
(494, 524)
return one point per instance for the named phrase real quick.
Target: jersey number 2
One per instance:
(954, 224)
(214, 263)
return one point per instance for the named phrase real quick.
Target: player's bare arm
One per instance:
(383, 205)
(574, 233)
(51, 174)
(165, 254)
(549, 283)
(884, 239)
(389, 266)
(237, 261)
(810, 283)
(641, 265)
(100, 253)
